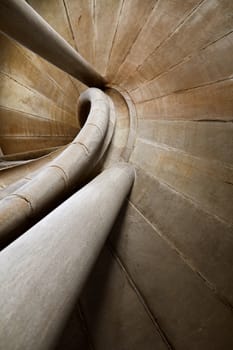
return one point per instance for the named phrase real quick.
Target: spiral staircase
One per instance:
(116, 174)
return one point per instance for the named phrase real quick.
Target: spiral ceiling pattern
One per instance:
(164, 280)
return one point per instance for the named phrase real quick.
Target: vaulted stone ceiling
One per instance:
(165, 280)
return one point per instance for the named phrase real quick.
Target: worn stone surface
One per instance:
(58, 257)
(172, 61)
(203, 181)
(186, 309)
(45, 41)
(68, 169)
(208, 145)
(204, 241)
(115, 316)
(73, 336)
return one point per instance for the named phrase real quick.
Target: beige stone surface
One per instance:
(69, 168)
(185, 308)
(190, 230)
(161, 22)
(202, 27)
(18, 66)
(105, 17)
(213, 102)
(106, 317)
(193, 72)
(133, 14)
(57, 256)
(204, 182)
(208, 145)
(170, 77)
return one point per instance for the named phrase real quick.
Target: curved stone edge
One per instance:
(65, 171)
(132, 123)
(46, 268)
(124, 155)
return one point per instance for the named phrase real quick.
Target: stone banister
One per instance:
(22, 23)
(43, 271)
(66, 170)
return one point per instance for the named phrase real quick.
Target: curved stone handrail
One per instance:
(64, 172)
(54, 258)
(17, 16)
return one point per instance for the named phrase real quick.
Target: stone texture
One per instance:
(172, 249)
(186, 309)
(191, 230)
(214, 141)
(68, 169)
(115, 316)
(58, 254)
(204, 182)
(58, 51)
